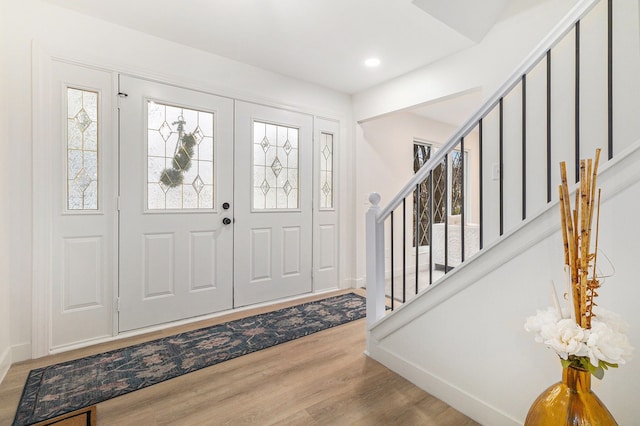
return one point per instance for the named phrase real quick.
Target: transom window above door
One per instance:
(275, 167)
(180, 157)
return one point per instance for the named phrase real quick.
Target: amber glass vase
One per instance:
(569, 402)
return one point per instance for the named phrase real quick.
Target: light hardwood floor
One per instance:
(321, 379)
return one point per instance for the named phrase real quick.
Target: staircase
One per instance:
(460, 336)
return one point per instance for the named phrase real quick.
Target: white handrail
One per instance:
(554, 37)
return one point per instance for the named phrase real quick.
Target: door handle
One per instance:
(226, 221)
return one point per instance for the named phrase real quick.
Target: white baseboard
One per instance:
(21, 352)
(457, 398)
(353, 283)
(5, 363)
(359, 282)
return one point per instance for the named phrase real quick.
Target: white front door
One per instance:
(176, 188)
(200, 205)
(273, 203)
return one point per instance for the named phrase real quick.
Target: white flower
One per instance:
(566, 338)
(613, 320)
(542, 320)
(607, 344)
(606, 340)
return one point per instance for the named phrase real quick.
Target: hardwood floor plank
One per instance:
(321, 379)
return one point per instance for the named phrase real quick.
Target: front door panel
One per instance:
(273, 196)
(176, 172)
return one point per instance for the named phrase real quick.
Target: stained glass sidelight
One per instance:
(275, 166)
(180, 160)
(82, 149)
(326, 171)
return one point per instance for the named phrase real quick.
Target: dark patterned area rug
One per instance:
(68, 386)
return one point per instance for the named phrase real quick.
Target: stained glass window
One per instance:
(180, 161)
(450, 173)
(421, 218)
(326, 171)
(82, 149)
(275, 166)
(456, 182)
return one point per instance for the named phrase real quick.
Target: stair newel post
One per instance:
(375, 264)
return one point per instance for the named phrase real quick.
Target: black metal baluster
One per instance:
(548, 126)
(404, 250)
(430, 227)
(462, 194)
(481, 180)
(501, 165)
(610, 78)
(392, 270)
(417, 237)
(577, 103)
(524, 146)
(446, 213)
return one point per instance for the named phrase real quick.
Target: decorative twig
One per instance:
(576, 238)
(563, 224)
(594, 283)
(594, 177)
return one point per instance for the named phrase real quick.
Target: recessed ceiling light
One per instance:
(372, 62)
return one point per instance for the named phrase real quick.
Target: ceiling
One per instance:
(324, 42)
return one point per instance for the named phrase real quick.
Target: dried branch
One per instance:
(563, 225)
(576, 237)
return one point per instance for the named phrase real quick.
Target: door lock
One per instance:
(225, 206)
(226, 221)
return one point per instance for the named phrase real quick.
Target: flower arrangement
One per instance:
(583, 334)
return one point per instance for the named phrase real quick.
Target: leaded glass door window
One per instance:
(82, 149)
(275, 166)
(180, 157)
(326, 170)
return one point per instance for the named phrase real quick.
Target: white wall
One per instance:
(472, 350)
(486, 65)
(385, 147)
(5, 342)
(64, 33)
